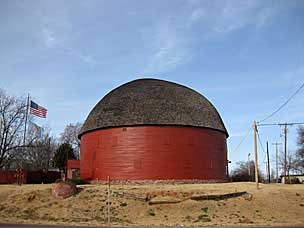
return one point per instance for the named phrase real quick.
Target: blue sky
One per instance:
(246, 57)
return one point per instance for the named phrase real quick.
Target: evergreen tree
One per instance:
(63, 153)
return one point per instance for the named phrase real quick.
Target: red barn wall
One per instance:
(154, 152)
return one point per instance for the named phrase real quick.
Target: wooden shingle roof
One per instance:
(153, 102)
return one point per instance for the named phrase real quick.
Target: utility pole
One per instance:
(285, 151)
(268, 163)
(285, 142)
(249, 165)
(255, 154)
(266, 169)
(277, 171)
(227, 167)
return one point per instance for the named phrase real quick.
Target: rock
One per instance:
(247, 196)
(246, 220)
(164, 200)
(63, 190)
(31, 197)
(218, 196)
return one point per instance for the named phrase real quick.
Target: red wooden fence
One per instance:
(29, 177)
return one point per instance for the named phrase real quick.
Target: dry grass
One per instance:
(273, 204)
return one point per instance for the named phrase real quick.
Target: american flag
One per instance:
(37, 110)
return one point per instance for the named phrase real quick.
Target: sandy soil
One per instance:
(273, 204)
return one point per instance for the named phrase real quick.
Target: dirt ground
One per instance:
(273, 204)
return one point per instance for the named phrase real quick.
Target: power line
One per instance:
(285, 103)
(260, 142)
(245, 136)
(279, 124)
(266, 124)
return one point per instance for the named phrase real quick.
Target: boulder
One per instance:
(63, 190)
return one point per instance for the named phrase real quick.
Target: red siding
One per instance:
(73, 164)
(154, 152)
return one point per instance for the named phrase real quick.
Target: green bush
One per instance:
(203, 218)
(205, 209)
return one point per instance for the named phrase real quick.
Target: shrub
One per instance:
(203, 218)
(205, 209)
(151, 212)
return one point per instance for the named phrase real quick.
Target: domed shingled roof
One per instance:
(153, 102)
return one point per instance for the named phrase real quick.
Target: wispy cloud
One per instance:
(228, 16)
(85, 58)
(172, 42)
(235, 16)
(168, 50)
(51, 41)
(48, 38)
(197, 14)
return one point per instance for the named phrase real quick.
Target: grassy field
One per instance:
(273, 204)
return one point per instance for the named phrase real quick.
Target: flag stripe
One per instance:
(37, 110)
(39, 114)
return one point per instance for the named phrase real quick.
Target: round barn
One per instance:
(151, 129)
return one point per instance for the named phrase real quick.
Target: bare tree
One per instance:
(244, 171)
(290, 162)
(12, 119)
(41, 151)
(294, 161)
(300, 152)
(70, 136)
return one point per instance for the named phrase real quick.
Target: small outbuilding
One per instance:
(73, 169)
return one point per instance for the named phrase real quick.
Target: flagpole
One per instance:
(27, 108)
